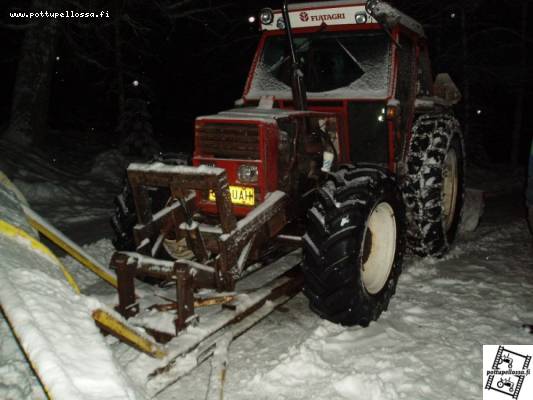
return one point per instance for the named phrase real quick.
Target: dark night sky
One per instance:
(198, 65)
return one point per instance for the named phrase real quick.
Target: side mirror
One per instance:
(446, 89)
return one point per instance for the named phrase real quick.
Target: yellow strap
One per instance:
(34, 220)
(55, 238)
(127, 334)
(13, 232)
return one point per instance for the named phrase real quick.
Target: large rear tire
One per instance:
(354, 246)
(434, 185)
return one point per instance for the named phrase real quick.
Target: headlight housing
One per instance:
(248, 173)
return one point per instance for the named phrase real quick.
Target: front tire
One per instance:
(354, 246)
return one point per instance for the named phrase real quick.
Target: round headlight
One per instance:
(248, 173)
(280, 23)
(266, 16)
(360, 18)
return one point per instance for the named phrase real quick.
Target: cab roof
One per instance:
(326, 4)
(340, 12)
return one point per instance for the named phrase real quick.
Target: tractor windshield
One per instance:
(335, 65)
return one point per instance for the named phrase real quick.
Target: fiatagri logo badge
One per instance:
(304, 17)
(506, 372)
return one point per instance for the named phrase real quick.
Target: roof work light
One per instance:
(266, 16)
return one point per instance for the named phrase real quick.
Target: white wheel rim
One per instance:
(451, 181)
(379, 248)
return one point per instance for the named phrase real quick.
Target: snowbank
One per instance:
(52, 323)
(73, 195)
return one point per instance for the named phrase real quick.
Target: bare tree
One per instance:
(109, 46)
(29, 110)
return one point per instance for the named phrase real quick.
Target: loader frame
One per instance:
(221, 251)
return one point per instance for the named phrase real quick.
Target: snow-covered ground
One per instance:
(428, 345)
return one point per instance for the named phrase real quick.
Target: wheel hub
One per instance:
(451, 182)
(379, 248)
(367, 246)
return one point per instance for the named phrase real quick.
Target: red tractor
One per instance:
(342, 144)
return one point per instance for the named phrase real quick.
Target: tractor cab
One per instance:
(364, 62)
(360, 82)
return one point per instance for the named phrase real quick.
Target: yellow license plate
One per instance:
(239, 195)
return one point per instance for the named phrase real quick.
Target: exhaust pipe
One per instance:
(299, 92)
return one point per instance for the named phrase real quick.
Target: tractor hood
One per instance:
(246, 143)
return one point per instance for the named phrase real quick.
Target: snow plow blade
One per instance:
(51, 321)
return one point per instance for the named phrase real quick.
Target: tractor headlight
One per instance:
(361, 18)
(248, 173)
(280, 23)
(266, 16)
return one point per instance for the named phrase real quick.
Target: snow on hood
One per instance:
(266, 115)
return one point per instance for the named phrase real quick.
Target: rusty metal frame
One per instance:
(180, 180)
(221, 252)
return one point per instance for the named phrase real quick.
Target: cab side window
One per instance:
(405, 85)
(425, 78)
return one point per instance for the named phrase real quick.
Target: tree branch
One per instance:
(14, 27)
(188, 13)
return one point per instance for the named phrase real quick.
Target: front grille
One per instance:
(229, 141)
